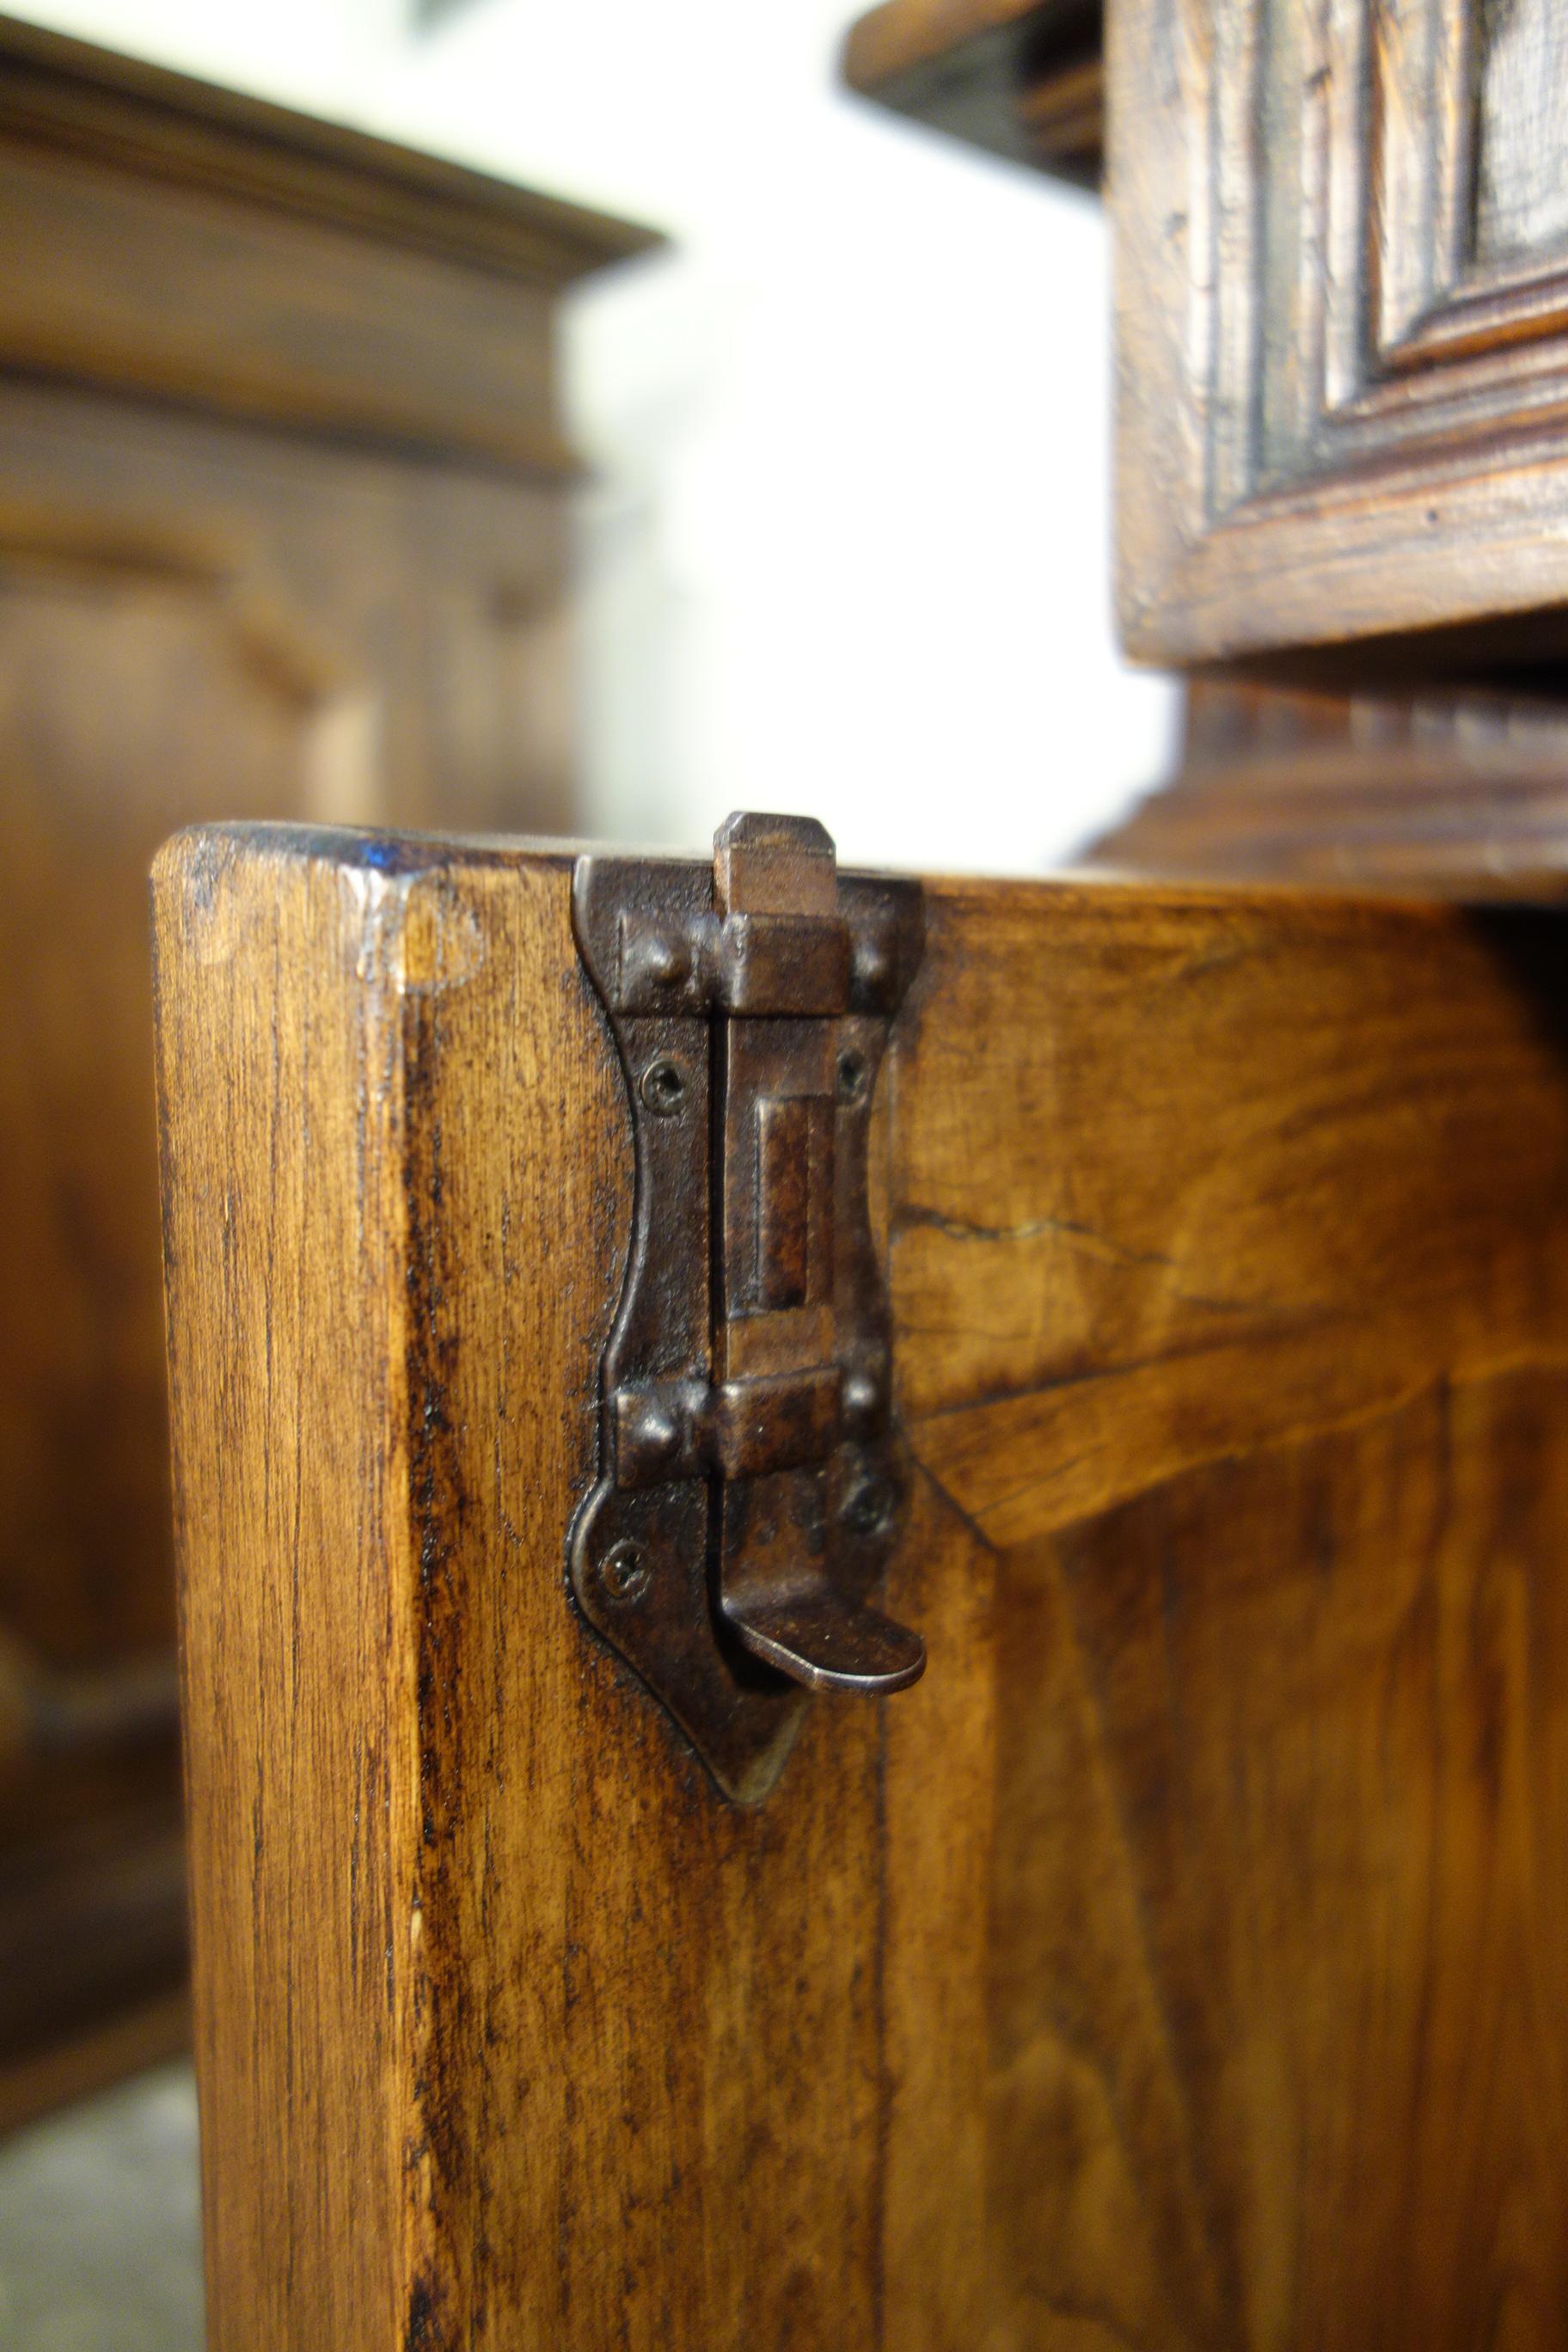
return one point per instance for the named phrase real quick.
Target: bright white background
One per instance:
(846, 545)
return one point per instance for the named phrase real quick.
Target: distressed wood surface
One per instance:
(1342, 324)
(1023, 79)
(1178, 1964)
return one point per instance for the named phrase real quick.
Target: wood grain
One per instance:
(304, 274)
(1177, 1964)
(1459, 792)
(1022, 79)
(454, 1814)
(1339, 388)
(282, 533)
(1298, 2077)
(1222, 1323)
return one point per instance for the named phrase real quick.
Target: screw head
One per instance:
(868, 1507)
(624, 1572)
(851, 1074)
(663, 1086)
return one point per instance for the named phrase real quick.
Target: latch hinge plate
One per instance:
(751, 1485)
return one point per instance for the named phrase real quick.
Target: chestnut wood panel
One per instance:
(499, 1857)
(1342, 308)
(1178, 1964)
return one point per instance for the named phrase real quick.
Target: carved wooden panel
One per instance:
(1343, 306)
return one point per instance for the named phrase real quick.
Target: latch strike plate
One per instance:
(751, 1486)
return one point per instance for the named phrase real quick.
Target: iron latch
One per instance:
(750, 1485)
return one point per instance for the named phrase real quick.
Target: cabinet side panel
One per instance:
(281, 1105)
(1226, 1893)
(1276, 2051)
(513, 2031)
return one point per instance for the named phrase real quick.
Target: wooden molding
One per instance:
(306, 274)
(107, 108)
(1022, 79)
(1340, 406)
(1426, 788)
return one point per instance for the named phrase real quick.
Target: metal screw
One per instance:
(663, 1088)
(851, 1076)
(868, 1507)
(624, 1572)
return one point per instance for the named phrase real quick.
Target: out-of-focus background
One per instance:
(732, 442)
(845, 544)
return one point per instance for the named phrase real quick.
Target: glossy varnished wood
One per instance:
(1225, 1329)
(1177, 1964)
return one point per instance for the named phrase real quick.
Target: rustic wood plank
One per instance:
(1226, 1239)
(1176, 1963)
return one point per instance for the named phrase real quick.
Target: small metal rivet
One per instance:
(861, 1396)
(868, 1507)
(655, 1436)
(851, 1074)
(624, 1572)
(873, 968)
(666, 959)
(660, 1431)
(663, 1086)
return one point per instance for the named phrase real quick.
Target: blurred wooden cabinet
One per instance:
(283, 513)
